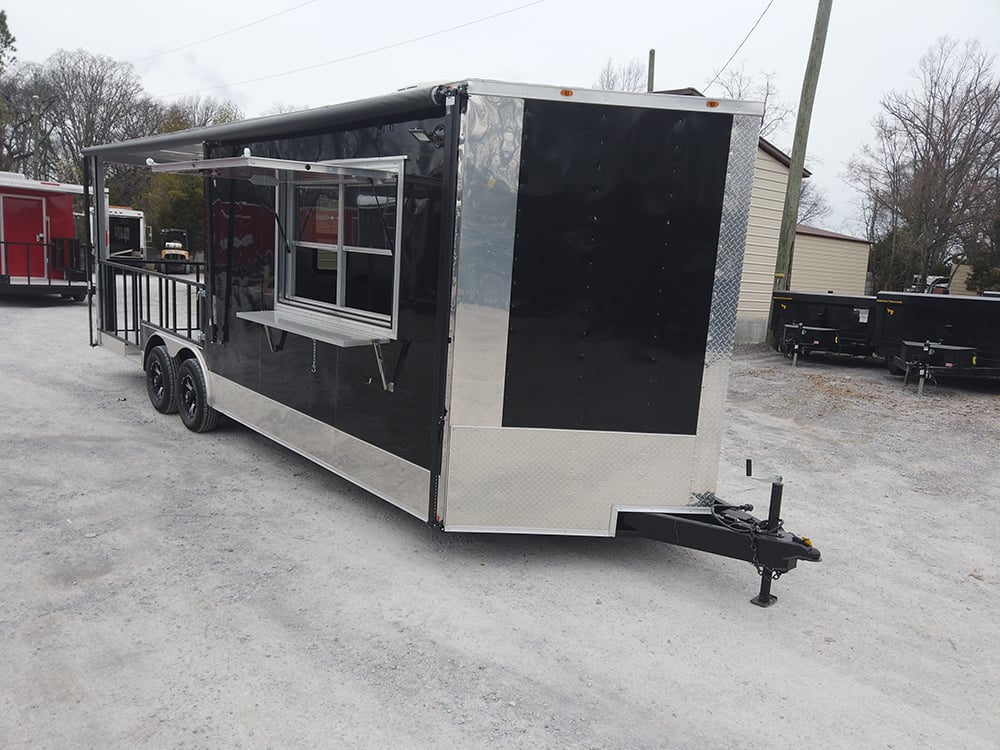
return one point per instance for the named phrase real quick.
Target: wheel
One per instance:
(161, 380)
(192, 398)
(79, 296)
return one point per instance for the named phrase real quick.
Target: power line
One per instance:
(223, 33)
(366, 53)
(736, 51)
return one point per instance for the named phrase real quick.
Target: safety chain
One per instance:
(761, 570)
(313, 368)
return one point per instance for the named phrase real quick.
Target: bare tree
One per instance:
(813, 204)
(93, 99)
(280, 108)
(7, 47)
(16, 127)
(198, 112)
(926, 181)
(738, 84)
(13, 113)
(630, 76)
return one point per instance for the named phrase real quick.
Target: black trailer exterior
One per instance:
(500, 307)
(924, 335)
(939, 335)
(802, 322)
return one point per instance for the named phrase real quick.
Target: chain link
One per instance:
(761, 570)
(313, 368)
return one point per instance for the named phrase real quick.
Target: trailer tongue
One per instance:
(502, 308)
(731, 531)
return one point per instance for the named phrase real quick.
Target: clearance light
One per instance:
(566, 92)
(711, 103)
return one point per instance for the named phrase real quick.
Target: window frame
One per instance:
(345, 326)
(287, 301)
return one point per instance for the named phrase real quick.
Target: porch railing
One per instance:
(134, 292)
(59, 262)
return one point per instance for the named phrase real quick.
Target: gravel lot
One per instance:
(162, 589)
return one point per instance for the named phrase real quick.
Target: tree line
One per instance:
(930, 181)
(51, 111)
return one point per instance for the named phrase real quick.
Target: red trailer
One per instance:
(39, 251)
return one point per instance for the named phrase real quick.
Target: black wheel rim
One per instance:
(156, 380)
(189, 396)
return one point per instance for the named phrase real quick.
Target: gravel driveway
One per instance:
(163, 589)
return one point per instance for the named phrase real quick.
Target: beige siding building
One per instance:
(959, 280)
(767, 200)
(828, 262)
(821, 261)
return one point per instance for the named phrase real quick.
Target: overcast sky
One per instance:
(343, 51)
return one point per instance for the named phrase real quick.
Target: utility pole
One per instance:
(789, 217)
(36, 155)
(649, 70)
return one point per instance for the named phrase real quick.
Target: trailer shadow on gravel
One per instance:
(837, 365)
(39, 301)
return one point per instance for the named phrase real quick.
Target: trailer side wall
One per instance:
(594, 377)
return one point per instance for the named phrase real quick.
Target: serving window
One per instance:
(338, 234)
(342, 253)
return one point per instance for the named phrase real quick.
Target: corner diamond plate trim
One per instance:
(732, 238)
(743, 146)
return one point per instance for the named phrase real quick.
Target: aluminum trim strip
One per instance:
(518, 530)
(614, 98)
(688, 510)
(491, 169)
(384, 474)
(460, 158)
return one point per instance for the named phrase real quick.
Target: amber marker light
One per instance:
(566, 92)
(711, 103)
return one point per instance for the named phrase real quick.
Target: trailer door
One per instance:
(23, 236)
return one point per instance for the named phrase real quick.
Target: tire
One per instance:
(161, 380)
(192, 398)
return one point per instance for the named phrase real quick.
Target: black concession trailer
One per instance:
(500, 307)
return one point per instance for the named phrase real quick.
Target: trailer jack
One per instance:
(731, 531)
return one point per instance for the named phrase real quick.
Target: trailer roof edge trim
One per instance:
(39, 186)
(188, 144)
(615, 98)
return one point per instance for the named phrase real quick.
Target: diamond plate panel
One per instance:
(725, 297)
(561, 481)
